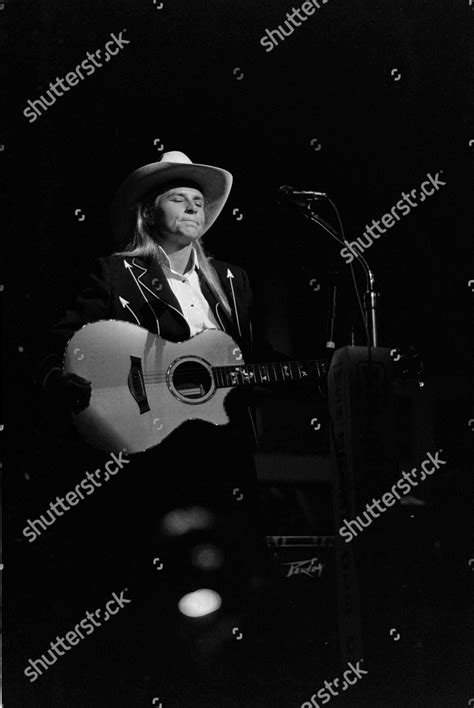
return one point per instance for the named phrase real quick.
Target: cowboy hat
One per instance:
(213, 182)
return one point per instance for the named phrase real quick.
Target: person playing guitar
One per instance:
(153, 342)
(163, 283)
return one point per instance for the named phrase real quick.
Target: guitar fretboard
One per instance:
(273, 372)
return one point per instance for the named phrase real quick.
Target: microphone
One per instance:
(290, 193)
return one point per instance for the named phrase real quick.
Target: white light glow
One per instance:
(207, 556)
(200, 602)
(181, 521)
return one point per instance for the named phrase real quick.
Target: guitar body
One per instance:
(143, 386)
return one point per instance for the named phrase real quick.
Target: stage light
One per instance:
(181, 521)
(200, 603)
(207, 556)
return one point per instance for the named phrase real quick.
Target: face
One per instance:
(179, 215)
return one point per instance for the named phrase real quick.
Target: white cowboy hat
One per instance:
(214, 183)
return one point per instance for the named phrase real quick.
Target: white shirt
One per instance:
(187, 289)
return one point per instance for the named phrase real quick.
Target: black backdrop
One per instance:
(330, 82)
(324, 110)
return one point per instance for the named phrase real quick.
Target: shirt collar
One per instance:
(165, 261)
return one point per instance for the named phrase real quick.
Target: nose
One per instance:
(191, 208)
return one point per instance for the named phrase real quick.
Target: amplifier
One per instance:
(306, 566)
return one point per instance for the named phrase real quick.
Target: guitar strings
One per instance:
(291, 364)
(160, 376)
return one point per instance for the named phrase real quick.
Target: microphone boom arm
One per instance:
(371, 297)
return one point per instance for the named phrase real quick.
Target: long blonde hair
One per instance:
(145, 244)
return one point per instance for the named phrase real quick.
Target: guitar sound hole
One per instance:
(192, 380)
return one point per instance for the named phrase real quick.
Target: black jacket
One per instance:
(133, 290)
(199, 463)
(137, 291)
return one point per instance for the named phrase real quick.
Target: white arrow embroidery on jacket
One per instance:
(231, 278)
(129, 268)
(126, 306)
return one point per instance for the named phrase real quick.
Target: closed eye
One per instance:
(180, 196)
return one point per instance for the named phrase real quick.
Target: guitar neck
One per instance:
(273, 372)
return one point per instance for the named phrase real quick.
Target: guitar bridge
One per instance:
(136, 384)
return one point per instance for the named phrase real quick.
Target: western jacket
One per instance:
(137, 291)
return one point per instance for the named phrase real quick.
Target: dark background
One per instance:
(176, 82)
(330, 80)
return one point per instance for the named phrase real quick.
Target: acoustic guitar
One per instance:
(144, 387)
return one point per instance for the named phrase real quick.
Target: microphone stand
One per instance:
(371, 296)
